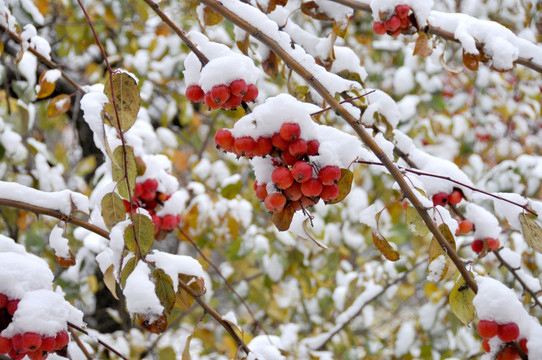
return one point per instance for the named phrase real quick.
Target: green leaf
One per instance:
(531, 232)
(127, 100)
(167, 353)
(164, 290)
(345, 185)
(118, 166)
(230, 191)
(460, 300)
(113, 210)
(384, 247)
(127, 270)
(415, 222)
(144, 231)
(110, 282)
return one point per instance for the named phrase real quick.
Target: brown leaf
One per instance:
(311, 9)
(283, 219)
(186, 351)
(110, 282)
(271, 65)
(46, 87)
(423, 46)
(471, 61)
(211, 17)
(66, 262)
(384, 247)
(59, 105)
(154, 325)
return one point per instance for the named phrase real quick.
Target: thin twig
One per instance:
(80, 344)
(447, 178)
(109, 347)
(349, 100)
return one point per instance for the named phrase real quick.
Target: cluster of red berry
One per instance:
(478, 245)
(147, 196)
(397, 23)
(30, 344)
(454, 198)
(227, 97)
(508, 332)
(297, 182)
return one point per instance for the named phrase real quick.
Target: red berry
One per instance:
(261, 191)
(311, 188)
(150, 184)
(493, 244)
(477, 246)
(3, 301)
(312, 147)
(405, 23)
(61, 340)
(298, 148)
(402, 10)
(208, 100)
(455, 197)
(148, 196)
(290, 131)
(152, 203)
(127, 206)
(282, 177)
(170, 222)
(464, 227)
(379, 28)
(296, 205)
(329, 192)
(5, 345)
(293, 192)
(395, 33)
(36, 355)
(251, 94)
(301, 171)
(275, 202)
(238, 87)
(12, 306)
(508, 332)
(48, 344)
(279, 142)
(523, 345)
(440, 198)
(487, 328)
(244, 146)
(263, 146)
(508, 354)
(224, 139)
(138, 190)
(31, 341)
(17, 342)
(306, 202)
(157, 221)
(393, 23)
(329, 175)
(288, 159)
(485, 345)
(16, 354)
(220, 94)
(194, 93)
(232, 103)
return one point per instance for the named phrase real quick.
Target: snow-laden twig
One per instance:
(259, 26)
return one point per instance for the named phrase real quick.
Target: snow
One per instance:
(139, 291)
(380, 103)
(485, 223)
(31, 272)
(92, 104)
(27, 66)
(59, 243)
(436, 269)
(509, 211)
(265, 347)
(405, 338)
(65, 201)
(173, 265)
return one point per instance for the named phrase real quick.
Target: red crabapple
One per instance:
(508, 354)
(393, 23)
(493, 244)
(61, 340)
(232, 103)
(301, 171)
(312, 187)
(170, 222)
(477, 246)
(36, 355)
(224, 139)
(16, 355)
(251, 94)
(312, 147)
(17, 342)
(288, 159)
(3, 301)
(440, 198)
(485, 345)
(12, 306)
(293, 192)
(5, 345)
(523, 345)
(238, 87)
(220, 94)
(261, 191)
(282, 177)
(464, 227)
(279, 142)
(487, 328)
(329, 192)
(306, 201)
(329, 174)
(402, 10)
(244, 146)
(150, 184)
(31, 341)
(263, 146)
(379, 28)
(298, 148)
(455, 197)
(275, 202)
(508, 332)
(48, 344)
(194, 93)
(208, 100)
(290, 131)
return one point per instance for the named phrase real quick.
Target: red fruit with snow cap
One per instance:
(238, 87)
(290, 131)
(402, 10)
(329, 175)
(31, 341)
(282, 177)
(301, 171)
(224, 139)
(194, 93)
(508, 332)
(440, 198)
(251, 94)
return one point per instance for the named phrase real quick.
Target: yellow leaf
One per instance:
(415, 223)
(211, 17)
(46, 87)
(59, 105)
(113, 210)
(460, 301)
(110, 282)
(531, 232)
(384, 247)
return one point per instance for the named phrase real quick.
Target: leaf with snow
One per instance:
(59, 105)
(460, 301)
(110, 282)
(415, 223)
(436, 250)
(164, 289)
(46, 83)
(531, 231)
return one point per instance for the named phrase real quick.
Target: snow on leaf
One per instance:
(415, 223)
(127, 100)
(531, 232)
(113, 209)
(59, 105)
(46, 83)
(460, 301)
(127, 270)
